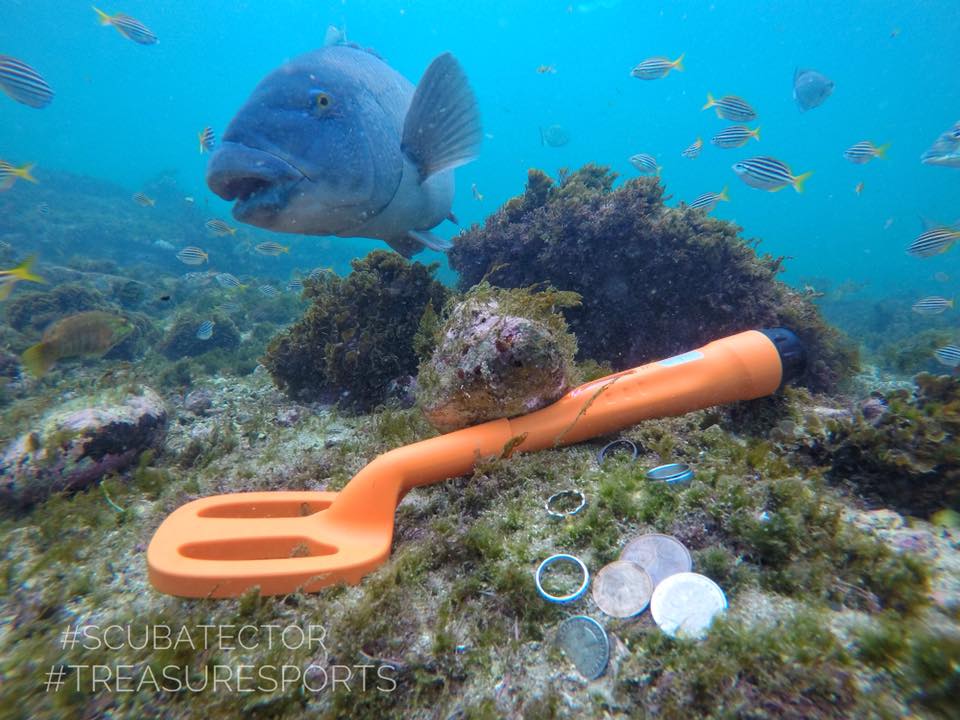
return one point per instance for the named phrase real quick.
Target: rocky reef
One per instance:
(181, 339)
(358, 335)
(655, 281)
(905, 454)
(499, 353)
(77, 443)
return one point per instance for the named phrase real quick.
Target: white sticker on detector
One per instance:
(681, 359)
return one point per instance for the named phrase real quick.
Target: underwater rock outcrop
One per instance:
(181, 339)
(500, 353)
(655, 281)
(906, 458)
(357, 337)
(76, 444)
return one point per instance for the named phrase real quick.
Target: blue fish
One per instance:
(205, 331)
(336, 142)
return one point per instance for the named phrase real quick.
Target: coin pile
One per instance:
(655, 570)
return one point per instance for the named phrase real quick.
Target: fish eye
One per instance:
(322, 101)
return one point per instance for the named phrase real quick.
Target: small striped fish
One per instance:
(271, 248)
(656, 67)
(192, 256)
(767, 173)
(205, 331)
(295, 286)
(948, 355)
(207, 139)
(645, 163)
(229, 307)
(735, 136)
(219, 227)
(143, 200)
(933, 242)
(10, 174)
(933, 305)
(864, 152)
(693, 150)
(708, 201)
(731, 107)
(226, 280)
(129, 27)
(268, 291)
(317, 273)
(24, 84)
(43, 209)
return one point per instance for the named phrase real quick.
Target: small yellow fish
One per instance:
(143, 200)
(547, 70)
(10, 174)
(476, 193)
(859, 188)
(23, 271)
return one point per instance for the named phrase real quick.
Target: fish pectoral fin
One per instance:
(452, 218)
(442, 126)
(405, 245)
(432, 241)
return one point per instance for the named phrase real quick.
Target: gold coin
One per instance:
(622, 589)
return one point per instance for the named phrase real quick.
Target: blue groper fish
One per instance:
(336, 142)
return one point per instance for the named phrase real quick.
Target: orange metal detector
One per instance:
(282, 542)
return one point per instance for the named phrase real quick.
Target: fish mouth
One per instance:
(259, 181)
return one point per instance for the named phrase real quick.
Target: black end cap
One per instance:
(793, 357)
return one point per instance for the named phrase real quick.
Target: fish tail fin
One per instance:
(659, 168)
(710, 102)
(200, 139)
(24, 172)
(950, 303)
(882, 150)
(286, 249)
(755, 133)
(24, 271)
(678, 63)
(723, 194)
(5, 290)
(102, 16)
(38, 359)
(799, 180)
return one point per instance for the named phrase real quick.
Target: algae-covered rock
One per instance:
(655, 281)
(906, 458)
(500, 353)
(75, 444)
(357, 337)
(181, 339)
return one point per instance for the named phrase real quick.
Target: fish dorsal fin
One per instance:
(442, 127)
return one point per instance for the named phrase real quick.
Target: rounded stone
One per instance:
(73, 445)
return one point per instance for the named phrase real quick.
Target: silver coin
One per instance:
(685, 604)
(585, 642)
(660, 555)
(622, 589)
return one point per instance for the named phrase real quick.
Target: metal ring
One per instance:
(577, 594)
(563, 494)
(672, 474)
(620, 441)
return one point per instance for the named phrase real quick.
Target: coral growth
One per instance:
(907, 458)
(655, 281)
(358, 334)
(500, 353)
(36, 310)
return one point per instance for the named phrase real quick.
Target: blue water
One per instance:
(125, 112)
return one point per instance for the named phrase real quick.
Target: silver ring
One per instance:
(563, 494)
(672, 474)
(620, 441)
(575, 595)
